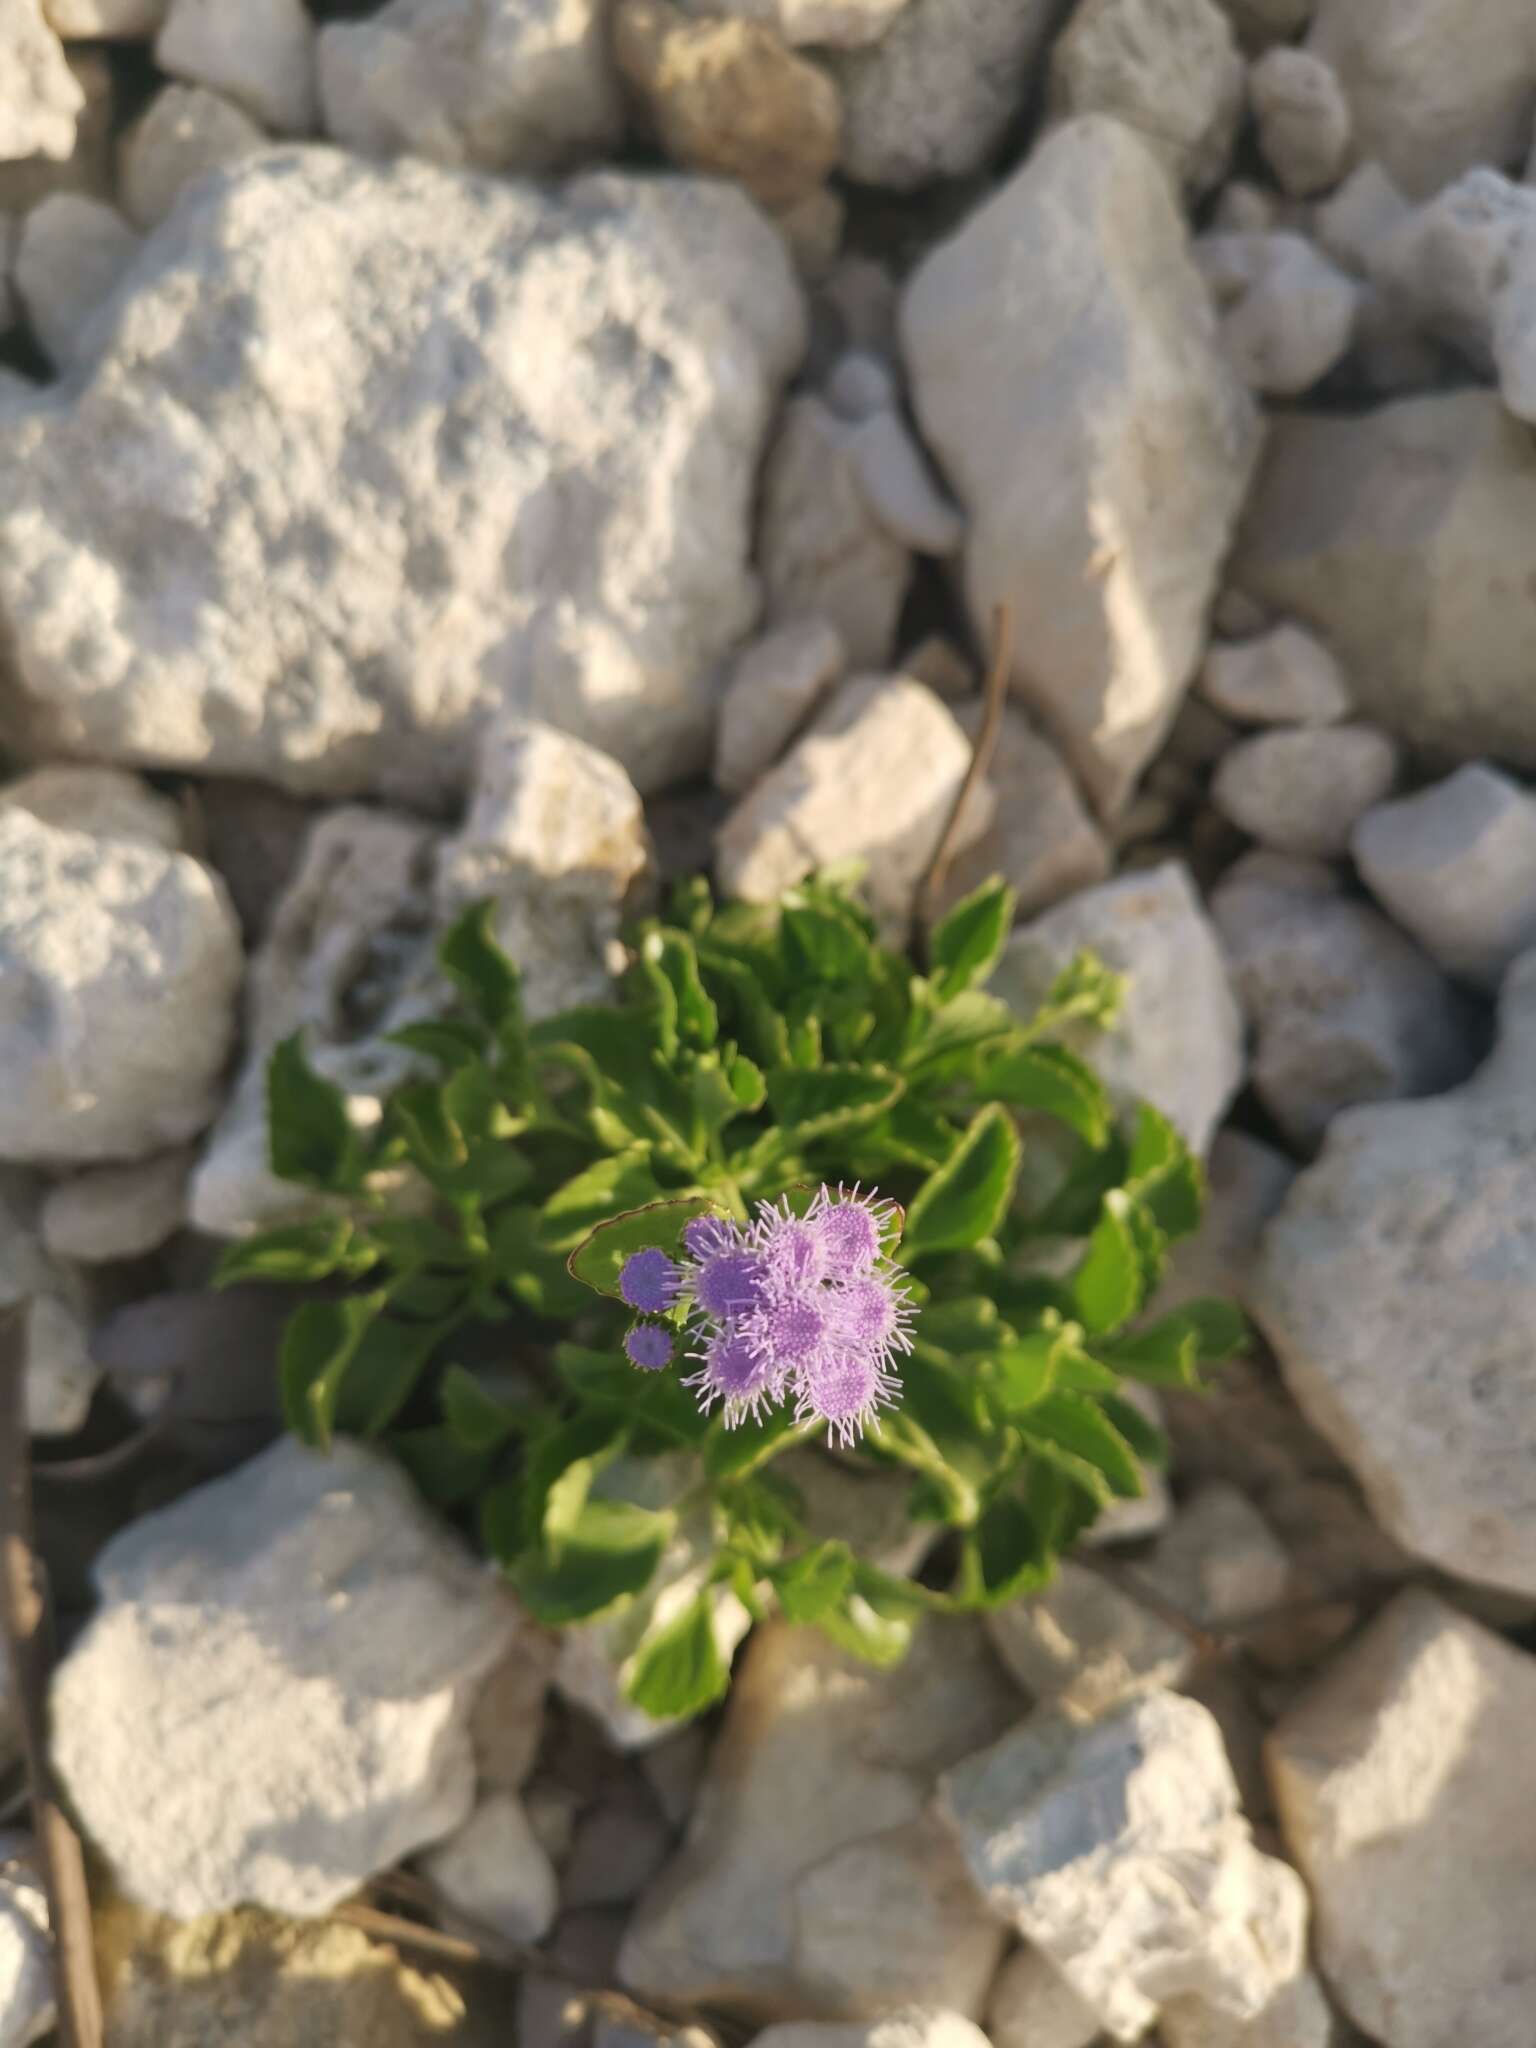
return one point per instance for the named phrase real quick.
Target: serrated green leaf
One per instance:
(294, 1252)
(310, 1137)
(822, 942)
(949, 1041)
(1085, 993)
(814, 1581)
(737, 987)
(965, 1200)
(813, 1104)
(1164, 1175)
(1024, 1372)
(678, 1669)
(450, 1041)
(598, 1260)
(649, 994)
(1107, 1286)
(1144, 1437)
(1076, 1423)
(1054, 1081)
(472, 958)
(965, 945)
(697, 1020)
(1166, 1354)
(1007, 1554)
(478, 1420)
(591, 1439)
(1221, 1329)
(318, 1346)
(610, 1553)
(385, 1369)
(622, 1181)
(874, 1621)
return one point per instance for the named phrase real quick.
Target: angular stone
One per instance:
(618, 1847)
(60, 1375)
(1404, 1778)
(1284, 677)
(104, 802)
(1304, 790)
(876, 775)
(822, 551)
(1116, 389)
(1443, 266)
(508, 1722)
(731, 99)
(775, 686)
(1298, 2016)
(1169, 69)
(259, 53)
(27, 2008)
(1403, 537)
(512, 85)
(935, 95)
(87, 166)
(184, 132)
(1288, 315)
(1178, 1040)
(1352, 222)
(1345, 1010)
(917, 2027)
(121, 20)
(1303, 117)
(40, 98)
(72, 255)
(117, 1212)
(1084, 1645)
(358, 558)
(1220, 1563)
(1404, 1246)
(1118, 1849)
(1041, 838)
(810, 1882)
(271, 1703)
(899, 488)
(1246, 1181)
(1455, 866)
(1033, 2006)
(494, 1872)
(1261, 22)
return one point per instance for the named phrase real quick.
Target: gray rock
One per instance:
(121, 20)
(1402, 537)
(72, 255)
(41, 98)
(259, 53)
(1033, 2006)
(104, 802)
(1455, 866)
(1304, 789)
(899, 488)
(811, 1880)
(936, 94)
(1443, 266)
(267, 592)
(1246, 1182)
(1118, 1850)
(1116, 389)
(860, 385)
(1288, 315)
(916, 2027)
(86, 165)
(1403, 1779)
(508, 1721)
(1404, 1246)
(1261, 22)
(875, 776)
(822, 551)
(1283, 677)
(1041, 838)
(1178, 1041)
(1084, 1645)
(494, 1872)
(27, 2009)
(120, 964)
(184, 132)
(515, 85)
(777, 682)
(1353, 221)
(1303, 117)
(1298, 2016)
(1169, 69)
(617, 1848)
(117, 1212)
(60, 1374)
(1220, 1563)
(271, 1703)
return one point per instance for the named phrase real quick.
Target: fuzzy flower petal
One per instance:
(649, 1346)
(649, 1281)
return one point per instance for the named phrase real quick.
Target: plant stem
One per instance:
(981, 759)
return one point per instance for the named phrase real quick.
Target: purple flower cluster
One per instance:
(808, 1308)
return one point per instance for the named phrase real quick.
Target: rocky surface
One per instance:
(1304, 790)
(27, 2010)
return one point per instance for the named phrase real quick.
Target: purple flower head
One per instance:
(649, 1281)
(789, 1249)
(845, 1390)
(727, 1284)
(707, 1234)
(853, 1228)
(871, 1313)
(649, 1346)
(732, 1371)
(789, 1332)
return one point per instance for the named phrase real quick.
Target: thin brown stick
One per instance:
(996, 691)
(28, 1630)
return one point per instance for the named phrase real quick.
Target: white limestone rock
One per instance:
(1119, 1851)
(1455, 866)
(72, 254)
(1288, 315)
(1404, 1778)
(105, 802)
(117, 1212)
(1403, 1247)
(1219, 1562)
(513, 85)
(1178, 1041)
(914, 2027)
(777, 682)
(1083, 1645)
(1443, 266)
(332, 569)
(259, 53)
(60, 1376)
(1115, 387)
(1283, 677)
(39, 95)
(1356, 219)
(1303, 117)
(1033, 2006)
(184, 132)
(27, 2007)
(1041, 838)
(271, 1704)
(1303, 789)
(812, 1880)
(118, 20)
(899, 488)
(495, 1872)
(1298, 2016)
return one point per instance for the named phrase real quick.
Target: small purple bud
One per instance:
(649, 1346)
(649, 1281)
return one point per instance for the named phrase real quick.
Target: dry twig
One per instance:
(981, 760)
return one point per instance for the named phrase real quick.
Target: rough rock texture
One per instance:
(1288, 315)
(1443, 267)
(1118, 1849)
(822, 551)
(1403, 537)
(71, 255)
(117, 1212)
(732, 99)
(260, 53)
(1352, 222)
(1403, 1778)
(1455, 866)
(271, 1703)
(1149, 926)
(1406, 1246)
(184, 132)
(328, 574)
(119, 964)
(1303, 119)
(917, 2027)
(1114, 387)
(811, 1882)
(1169, 69)
(509, 85)
(1083, 1646)
(1283, 677)
(104, 802)
(937, 93)
(26, 1955)
(773, 689)
(1298, 2016)
(493, 1870)
(876, 774)
(1041, 838)
(1033, 2006)
(60, 1373)
(1432, 88)
(1305, 790)
(39, 96)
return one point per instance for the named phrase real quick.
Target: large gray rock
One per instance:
(1064, 332)
(261, 53)
(39, 96)
(513, 85)
(272, 1701)
(71, 255)
(27, 2009)
(1041, 838)
(1304, 790)
(1178, 1040)
(184, 132)
(1405, 1779)
(119, 968)
(319, 511)
(1404, 537)
(812, 1883)
(1396, 1286)
(60, 1375)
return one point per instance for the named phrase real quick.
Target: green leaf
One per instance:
(698, 1021)
(965, 945)
(622, 1181)
(1221, 1329)
(758, 1024)
(478, 1420)
(1165, 1354)
(970, 1323)
(1164, 1174)
(610, 1553)
(952, 1038)
(1107, 1285)
(817, 1103)
(1051, 1079)
(1024, 1372)
(590, 1439)
(598, 1260)
(869, 1623)
(418, 1241)
(449, 1041)
(446, 1473)
(1008, 1553)
(678, 1669)
(1085, 993)
(649, 992)
(1144, 1437)
(473, 960)
(384, 1371)
(532, 1274)
(435, 1142)
(748, 1088)
(656, 1400)
(813, 1582)
(501, 1521)
(311, 1138)
(1077, 1424)
(318, 1345)
(909, 1134)
(966, 1199)
(822, 942)
(732, 1453)
(293, 1252)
